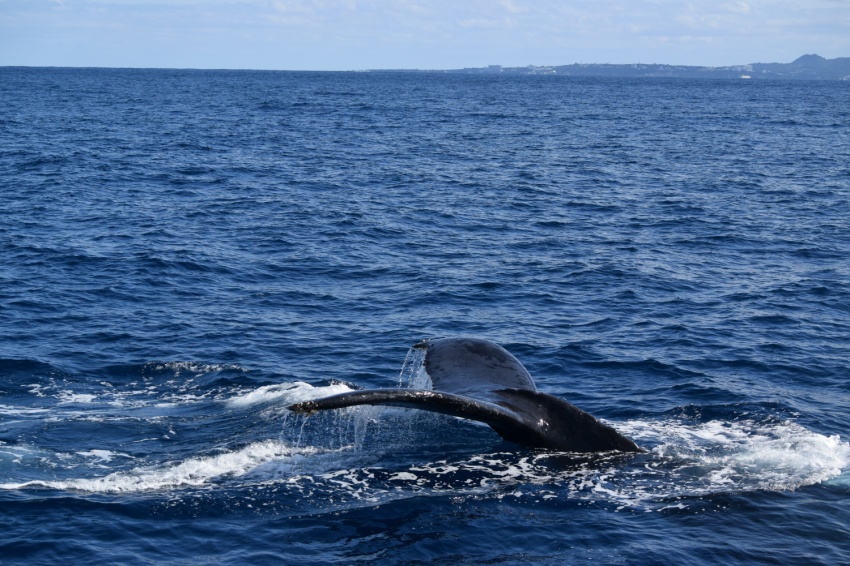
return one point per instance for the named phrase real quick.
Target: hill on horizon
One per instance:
(807, 67)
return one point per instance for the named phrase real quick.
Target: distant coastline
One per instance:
(807, 67)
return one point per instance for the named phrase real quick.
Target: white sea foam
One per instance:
(14, 454)
(193, 472)
(104, 456)
(13, 411)
(781, 455)
(69, 397)
(196, 368)
(722, 457)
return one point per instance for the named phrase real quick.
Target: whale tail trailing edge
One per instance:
(522, 416)
(427, 400)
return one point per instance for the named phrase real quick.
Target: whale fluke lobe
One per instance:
(479, 380)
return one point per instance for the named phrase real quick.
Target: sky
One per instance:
(416, 34)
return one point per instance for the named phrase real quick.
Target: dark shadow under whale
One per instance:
(479, 380)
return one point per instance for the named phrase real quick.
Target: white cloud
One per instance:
(291, 7)
(513, 8)
(488, 23)
(737, 7)
(415, 8)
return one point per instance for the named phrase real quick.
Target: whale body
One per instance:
(479, 380)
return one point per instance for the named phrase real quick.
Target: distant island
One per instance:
(808, 67)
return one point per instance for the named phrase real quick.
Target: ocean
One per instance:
(185, 253)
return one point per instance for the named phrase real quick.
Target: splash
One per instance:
(412, 374)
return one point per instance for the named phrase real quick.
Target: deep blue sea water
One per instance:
(184, 253)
